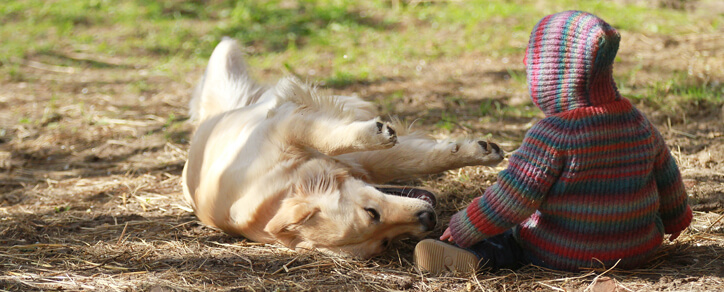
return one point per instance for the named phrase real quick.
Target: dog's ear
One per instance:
(293, 212)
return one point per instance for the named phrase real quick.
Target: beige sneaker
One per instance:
(436, 257)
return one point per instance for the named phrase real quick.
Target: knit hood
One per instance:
(569, 62)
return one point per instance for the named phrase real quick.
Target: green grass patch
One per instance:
(679, 92)
(342, 79)
(355, 41)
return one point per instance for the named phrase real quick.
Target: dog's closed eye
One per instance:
(373, 214)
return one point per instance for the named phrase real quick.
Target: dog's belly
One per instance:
(228, 155)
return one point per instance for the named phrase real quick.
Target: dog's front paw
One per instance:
(385, 134)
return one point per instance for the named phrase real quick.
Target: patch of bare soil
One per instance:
(90, 197)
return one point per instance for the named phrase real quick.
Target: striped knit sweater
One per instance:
(592, 181)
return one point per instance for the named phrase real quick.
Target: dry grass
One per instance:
(136, 234)
(105, 213)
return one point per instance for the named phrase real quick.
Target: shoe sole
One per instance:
(437, 257)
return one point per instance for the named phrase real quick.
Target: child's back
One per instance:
(592, 180)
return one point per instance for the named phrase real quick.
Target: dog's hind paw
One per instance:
(490, 147)
(492, 154)
(477, 152)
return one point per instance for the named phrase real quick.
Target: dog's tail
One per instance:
(226, 84)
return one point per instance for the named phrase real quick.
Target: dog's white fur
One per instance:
(284, 164)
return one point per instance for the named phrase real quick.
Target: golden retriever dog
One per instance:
(285, 164)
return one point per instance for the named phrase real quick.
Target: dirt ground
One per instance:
(91, 158)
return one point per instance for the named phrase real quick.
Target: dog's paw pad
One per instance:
(392, 132)
(490, 147)
(483, 144)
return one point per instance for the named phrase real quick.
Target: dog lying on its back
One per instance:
(284, 164)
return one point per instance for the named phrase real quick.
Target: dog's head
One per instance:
(343, 215)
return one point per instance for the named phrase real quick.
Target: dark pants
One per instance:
(502, 252)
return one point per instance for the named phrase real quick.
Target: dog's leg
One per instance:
(330, 125)
(334, 136)
(419, 155)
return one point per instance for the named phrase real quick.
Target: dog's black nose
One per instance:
(427, 219)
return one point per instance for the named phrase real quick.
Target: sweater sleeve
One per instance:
(674, 208)
(517, 194)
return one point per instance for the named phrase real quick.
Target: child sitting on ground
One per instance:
(592, 183)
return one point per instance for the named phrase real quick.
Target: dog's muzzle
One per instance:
(427, 219)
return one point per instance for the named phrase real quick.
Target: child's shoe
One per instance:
(436, 257)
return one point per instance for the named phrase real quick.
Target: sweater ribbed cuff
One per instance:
(674, 226)
(463, 231)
